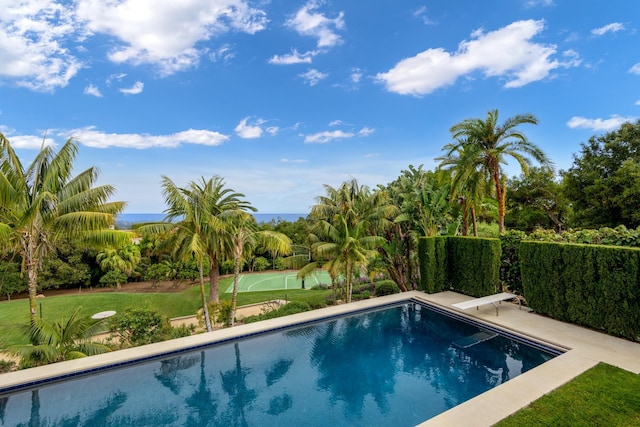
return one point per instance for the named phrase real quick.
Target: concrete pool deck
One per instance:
(584, 349)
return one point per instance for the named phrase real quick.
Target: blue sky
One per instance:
(281, 97)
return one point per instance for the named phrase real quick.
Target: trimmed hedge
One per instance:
(590, 285)
(469, 265)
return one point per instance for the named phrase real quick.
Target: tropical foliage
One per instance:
(483, 146)
(59, 340)
(44, 203)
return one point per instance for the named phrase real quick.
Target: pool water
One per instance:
(397, 366)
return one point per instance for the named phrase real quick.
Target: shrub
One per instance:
(291, 308)
(386, 287)
(219, 313)
(143, 325)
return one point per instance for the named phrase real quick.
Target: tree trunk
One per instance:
(32, 274)
(214, 280)
(474, 221)
(234, 296)
(205, 307)
(495, 175)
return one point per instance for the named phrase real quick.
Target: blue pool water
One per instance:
(397, 366)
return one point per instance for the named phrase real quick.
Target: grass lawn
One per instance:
(14, 315)
(602, 396)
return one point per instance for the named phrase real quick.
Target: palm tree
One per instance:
(242, 235)
(59, 340)
(485, 146)
(199, 230)
(44, 203)
(124, 259)
(349, 219)
(468, 187)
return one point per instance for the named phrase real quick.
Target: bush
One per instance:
(113, 278)
(386, 287)
(219, 313)
(293, 307)
(143, 325)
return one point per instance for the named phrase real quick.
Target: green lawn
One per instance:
(14, 315)
(602, 396)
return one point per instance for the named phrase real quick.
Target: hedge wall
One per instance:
(434, 267)
(464, 264)
(590, 285)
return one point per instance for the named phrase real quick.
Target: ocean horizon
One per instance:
(125, 220)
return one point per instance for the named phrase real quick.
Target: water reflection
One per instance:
(395, 366)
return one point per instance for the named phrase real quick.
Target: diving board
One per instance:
(495, 299)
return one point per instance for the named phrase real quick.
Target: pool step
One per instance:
(474, 339)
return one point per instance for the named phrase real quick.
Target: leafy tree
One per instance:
(536, 200)
(11, 280)
(157, 272)
(604, 182)
(59, 340)
(44, 202)
(124, 259)
(484, 145)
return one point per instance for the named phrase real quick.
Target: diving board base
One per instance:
(490, 299)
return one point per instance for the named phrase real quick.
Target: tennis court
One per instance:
(271, 281)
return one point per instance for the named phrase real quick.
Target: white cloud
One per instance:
(635, 69)
(30, 142)
(133, 90)
(273, 130)
(507, 53)
(356, 75)
(365, 131)
(32, 37)
(614, 122)
(421, 13)
(638, 102)
(91, 137)
(293, 161)
(166, 33)
(294, 57)
(313, 76)
(307, 22)
(223, 53)
(249, 131)
(609, 28)
(535, 3)
(336, 123)
(93, 91)
(327, 136)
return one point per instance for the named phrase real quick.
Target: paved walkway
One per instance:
(585, 349)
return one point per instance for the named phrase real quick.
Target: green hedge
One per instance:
(590, 285)
(464, 264)
(434, 268)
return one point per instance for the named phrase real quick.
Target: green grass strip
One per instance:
(602, 396)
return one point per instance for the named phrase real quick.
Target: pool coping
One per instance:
(583, 349)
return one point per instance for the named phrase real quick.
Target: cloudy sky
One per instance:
(280, 97)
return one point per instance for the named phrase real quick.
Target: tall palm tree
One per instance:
(194, 215)
(485, 145)
(348, 222)
(59, 340)
(43, 203)
(242, 235)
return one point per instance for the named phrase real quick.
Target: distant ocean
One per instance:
(126, 220)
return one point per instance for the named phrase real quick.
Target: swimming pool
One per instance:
(396, 365)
